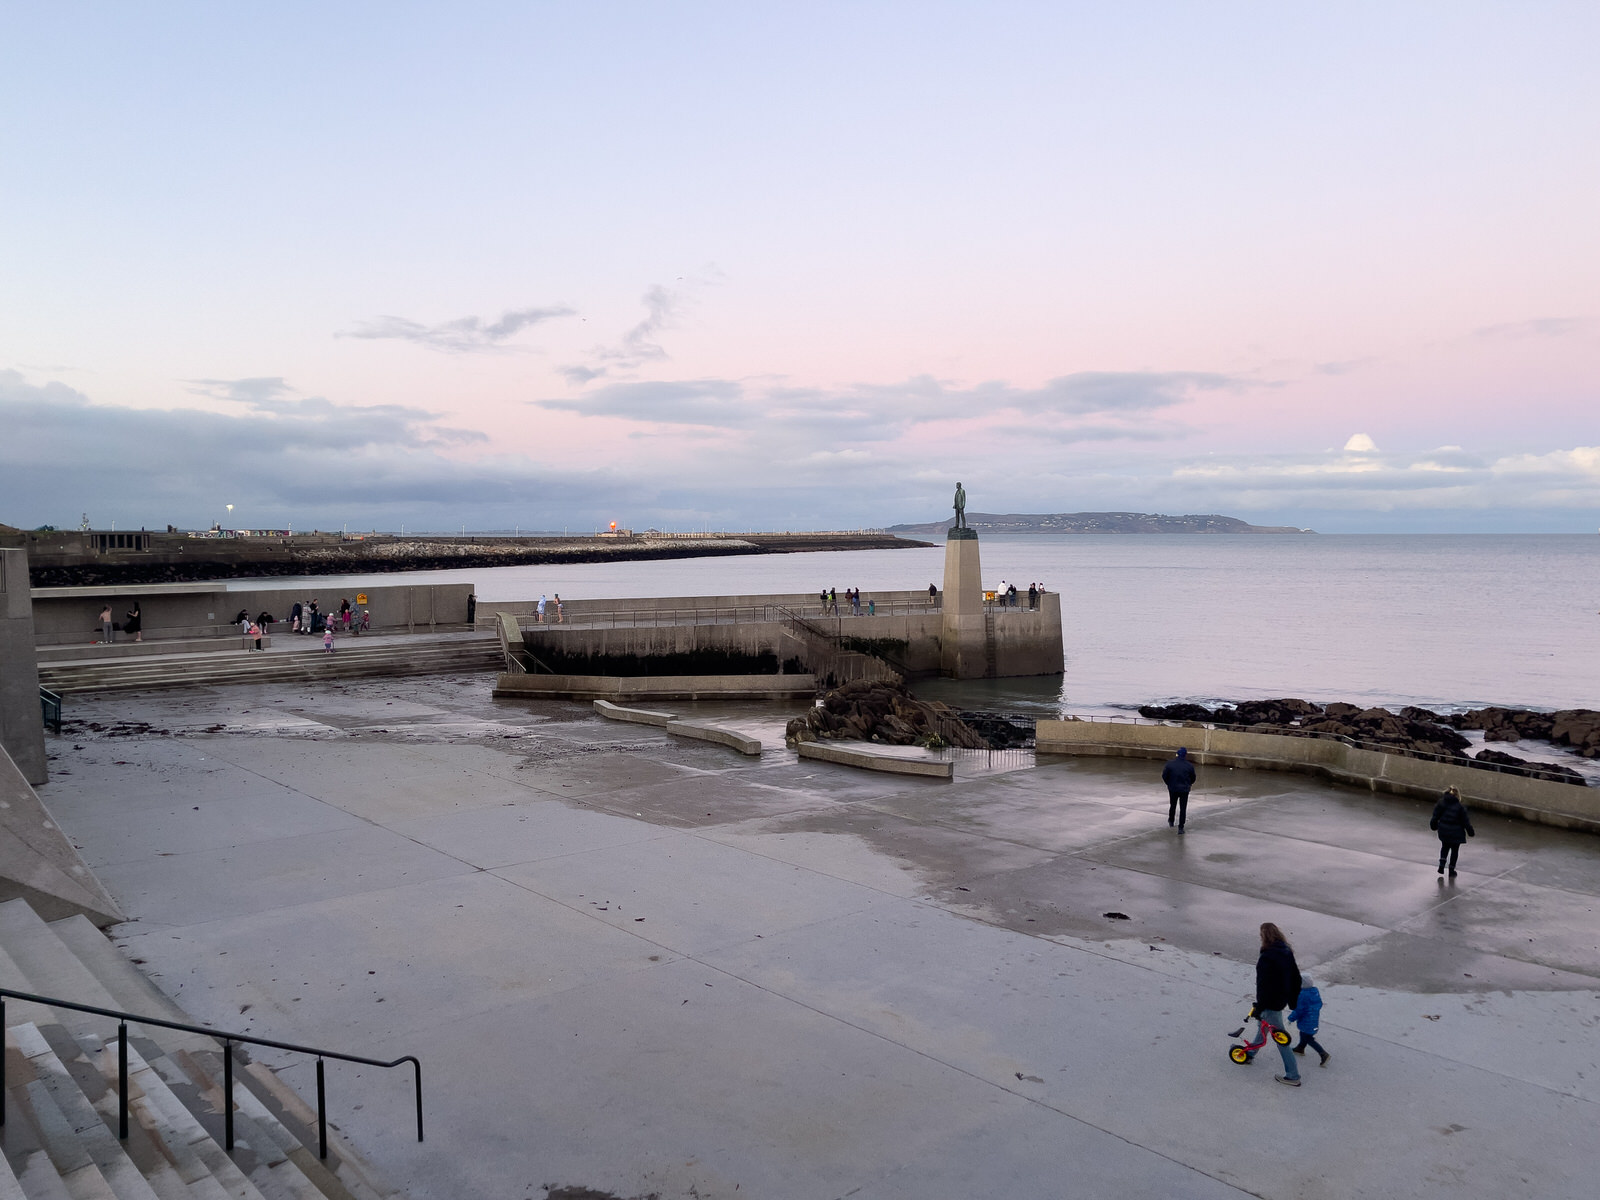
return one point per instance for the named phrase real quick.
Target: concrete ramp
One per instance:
(38, 863)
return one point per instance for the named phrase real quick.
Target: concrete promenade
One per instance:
(648, 966)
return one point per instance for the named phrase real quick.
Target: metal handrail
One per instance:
(50, 707)
(227, 1040)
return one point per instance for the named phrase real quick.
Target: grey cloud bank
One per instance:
(761, 456)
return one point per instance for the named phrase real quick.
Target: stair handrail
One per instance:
(50, 707)
(227, 1040)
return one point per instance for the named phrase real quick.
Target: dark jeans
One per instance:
(1448, 850)
(1307, 1039)
(1178, 806)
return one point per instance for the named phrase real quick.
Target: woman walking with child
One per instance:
(1277, 988)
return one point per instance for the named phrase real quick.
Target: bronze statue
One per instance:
(961, 506)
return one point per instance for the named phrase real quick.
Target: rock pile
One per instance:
(885, 713)
(1578, 728)
(1417, 729)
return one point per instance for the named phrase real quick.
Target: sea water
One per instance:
(1439, 621)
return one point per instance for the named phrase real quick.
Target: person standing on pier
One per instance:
(1178, 775)
(134, 623)
(1454, 827)
(107, 633)
(542, 603)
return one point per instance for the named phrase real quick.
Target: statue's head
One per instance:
(958, 483)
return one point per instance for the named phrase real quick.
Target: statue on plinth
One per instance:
(961, 506)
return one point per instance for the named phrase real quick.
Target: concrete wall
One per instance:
(63, 616)
(734, 607)
(1027, 642)
(37, 862)
(21, 723)
(656, 687)
(1540, 800)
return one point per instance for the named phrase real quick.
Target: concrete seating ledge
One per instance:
(700, 730)
(860, 754)
(101, 651)
(1539, 800)
(657, 687)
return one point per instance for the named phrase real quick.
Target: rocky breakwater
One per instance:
(884, 713)
(1417, 730)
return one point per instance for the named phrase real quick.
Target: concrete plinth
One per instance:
(963, 650)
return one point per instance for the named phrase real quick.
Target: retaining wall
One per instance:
(1026, 642)
(64, 616)
(1548, 803)
(657, 687)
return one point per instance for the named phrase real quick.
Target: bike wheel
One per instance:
(1239, 1054)
(1280, 1037)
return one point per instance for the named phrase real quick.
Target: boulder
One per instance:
(1273, 712)
(1175, 712)
(1578, 728)
(1539, 770)
(886, 713)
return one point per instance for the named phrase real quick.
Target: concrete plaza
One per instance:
(644, 966)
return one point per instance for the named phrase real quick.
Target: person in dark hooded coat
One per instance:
(1277, 988)
(1454, 826)
(1178, 775)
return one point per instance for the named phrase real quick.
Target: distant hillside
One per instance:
(1101, 522)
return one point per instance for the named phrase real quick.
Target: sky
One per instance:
(758, 266)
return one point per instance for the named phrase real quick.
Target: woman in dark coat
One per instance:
(1454, 825)
(134, 623)
(1277, 988)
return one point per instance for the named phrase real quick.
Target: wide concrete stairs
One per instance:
(61, 1109)
(413, 655)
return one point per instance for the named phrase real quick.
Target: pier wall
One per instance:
(1540, 800)
(1027, 642)
(67, 616)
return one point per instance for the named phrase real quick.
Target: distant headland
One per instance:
(1099, 522)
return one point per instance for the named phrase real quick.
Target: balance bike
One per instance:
(1243, 1053)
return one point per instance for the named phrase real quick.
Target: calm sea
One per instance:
(1440, 621)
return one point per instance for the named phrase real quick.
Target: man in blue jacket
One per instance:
(1178, 775)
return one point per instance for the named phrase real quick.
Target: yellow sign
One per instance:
(361, 597)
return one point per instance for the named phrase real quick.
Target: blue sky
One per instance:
(759, 266)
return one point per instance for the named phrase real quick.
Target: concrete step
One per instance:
(197, 1155)
(129, 988)
(51, 968)
(58, 1136)
(10, 1186)
(108, 1153)
(279, 1112)
(207, 670)
(73, 959)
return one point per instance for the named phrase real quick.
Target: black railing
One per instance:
(227, 1040)
(50, 706)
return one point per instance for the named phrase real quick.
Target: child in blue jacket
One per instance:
(1307, 1015)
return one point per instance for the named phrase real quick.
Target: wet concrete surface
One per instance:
(644, 965)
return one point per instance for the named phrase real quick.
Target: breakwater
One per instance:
(88, 560)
